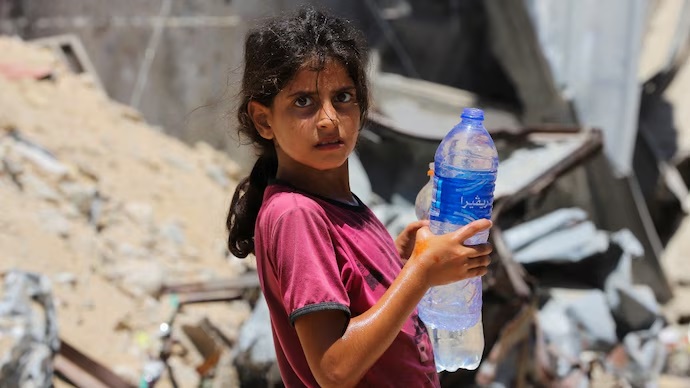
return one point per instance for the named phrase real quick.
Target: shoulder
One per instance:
(280, 200)
(283, 205)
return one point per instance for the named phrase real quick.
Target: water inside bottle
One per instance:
(455, 349)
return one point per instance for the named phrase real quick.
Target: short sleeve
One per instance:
(306, 266)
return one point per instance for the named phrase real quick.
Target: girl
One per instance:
(341, 292)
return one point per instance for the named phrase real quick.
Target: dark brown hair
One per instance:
(274, 52)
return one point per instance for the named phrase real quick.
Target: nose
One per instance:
(327, 116)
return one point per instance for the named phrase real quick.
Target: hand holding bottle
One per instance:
(444, 259)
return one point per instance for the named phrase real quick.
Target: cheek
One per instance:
(350, 115)
(352, 122)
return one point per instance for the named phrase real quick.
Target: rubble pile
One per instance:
(125, 226)
(592, 314)
(111, 211)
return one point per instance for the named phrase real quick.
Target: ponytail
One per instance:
(246, 203)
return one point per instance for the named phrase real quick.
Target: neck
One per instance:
(333, 184)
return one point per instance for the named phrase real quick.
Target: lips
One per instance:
(329, 143)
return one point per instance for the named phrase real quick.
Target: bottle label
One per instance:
(460, 201)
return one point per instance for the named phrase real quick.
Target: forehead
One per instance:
(332, 75)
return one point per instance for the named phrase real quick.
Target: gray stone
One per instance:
(12, 166)
(173, 231)
(129, 251)
(140, 278)
(178, 163)
(218, 175)
(41, 158)
(55, 222)
(80, 195)
(38, 188)
(65, 278)
(139, 212)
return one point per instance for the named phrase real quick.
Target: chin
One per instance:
(331, 166)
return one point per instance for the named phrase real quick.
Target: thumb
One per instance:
(424, 232)
(471, 229)
(414, 226)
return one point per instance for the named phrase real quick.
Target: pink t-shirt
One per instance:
(316, 254)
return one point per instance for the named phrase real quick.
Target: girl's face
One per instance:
(314, 121)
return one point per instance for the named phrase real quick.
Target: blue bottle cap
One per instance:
(473, 114)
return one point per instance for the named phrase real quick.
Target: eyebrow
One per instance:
(313, 92)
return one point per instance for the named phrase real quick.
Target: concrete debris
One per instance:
(28, 330)
(519, 236)
(571, 244)
(524, 166)
(256, 359)
(111, 209)
(618, 318)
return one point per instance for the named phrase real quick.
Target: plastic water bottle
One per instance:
(464, 178)
(423, 201)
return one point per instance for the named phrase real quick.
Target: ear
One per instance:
(260, 113)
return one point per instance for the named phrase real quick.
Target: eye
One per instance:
(344, 97)
(303, 101)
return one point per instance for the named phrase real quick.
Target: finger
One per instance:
(481, 249)
(423, 233)
(414, 226)
(479, 271)
(477, 262)
(471, 229)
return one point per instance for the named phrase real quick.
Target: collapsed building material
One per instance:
(619, 204)
(209, 341)
(516, 45)
(113, 211)
(241, 282)
(70, 50)
(28, 329)
(256, 358)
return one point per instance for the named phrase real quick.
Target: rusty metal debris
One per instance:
(208, 340)
(83, 371)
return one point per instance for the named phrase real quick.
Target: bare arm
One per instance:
(341, 359)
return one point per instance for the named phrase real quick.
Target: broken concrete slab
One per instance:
(570, 244)
(519, 236)
(427, 110)
(590, 310)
